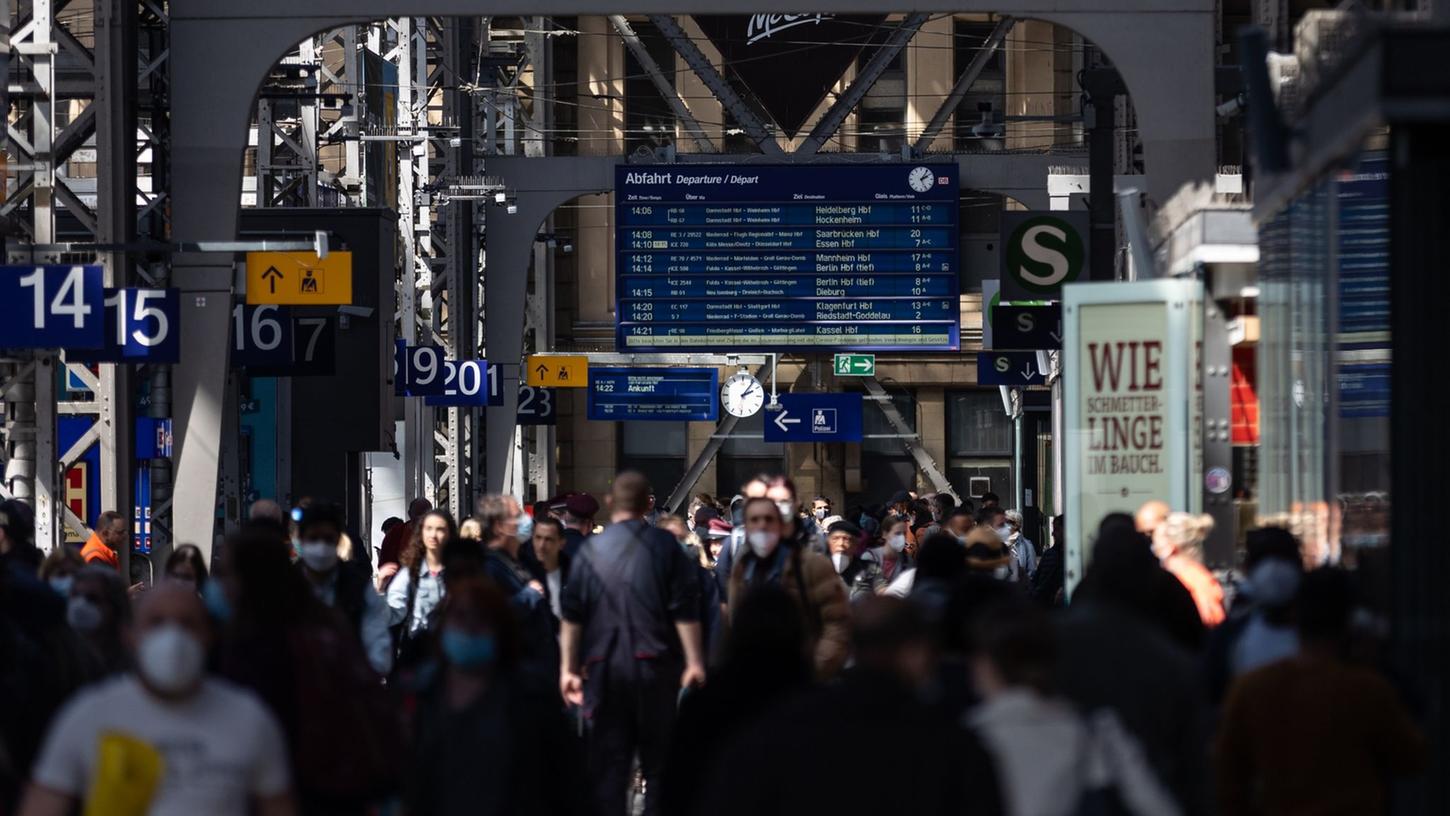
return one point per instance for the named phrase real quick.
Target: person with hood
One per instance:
(806, 575)
(1259, 629)
(343, 585)
(1178, 543)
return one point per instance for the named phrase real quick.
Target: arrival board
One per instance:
(786, 257)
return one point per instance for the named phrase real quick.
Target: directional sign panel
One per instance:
(1014, 368)
(299, 278)
(557, 371)
(627, 394)
(814, 418)
(787, 258)
(467, 384)
(855, 365)
(1017, 326)
(51, 307)
(1041, 251)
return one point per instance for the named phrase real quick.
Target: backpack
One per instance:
(349, 730)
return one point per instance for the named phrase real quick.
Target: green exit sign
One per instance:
(855, 365)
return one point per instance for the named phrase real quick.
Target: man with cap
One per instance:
(862, 576)
(577, 511)
(987, 555)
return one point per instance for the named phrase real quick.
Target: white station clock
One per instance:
(921, 179)
(741, 395)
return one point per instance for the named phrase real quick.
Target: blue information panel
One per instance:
(814, 418)
(622, 394)
(51, 307)
(787, 257)
(141, 326)
(1014, 368)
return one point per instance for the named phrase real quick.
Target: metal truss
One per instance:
(92, 104)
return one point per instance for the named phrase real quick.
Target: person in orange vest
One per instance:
(112, 531)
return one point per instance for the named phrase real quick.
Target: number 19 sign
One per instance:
(51, 307)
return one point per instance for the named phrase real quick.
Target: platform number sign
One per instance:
(51, 307)
(141, 326)
(536, 406)
(449, 383)
(270, 341)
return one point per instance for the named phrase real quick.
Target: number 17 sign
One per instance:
(52, 307)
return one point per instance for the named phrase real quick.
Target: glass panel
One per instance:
(977, 425)
(873, 421)
(665, 439)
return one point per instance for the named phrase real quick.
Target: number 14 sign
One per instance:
(51, 307)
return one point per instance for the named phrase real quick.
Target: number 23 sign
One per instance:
(52, 307)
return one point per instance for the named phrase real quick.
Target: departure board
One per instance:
(818, 257)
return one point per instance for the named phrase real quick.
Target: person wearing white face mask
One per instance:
(99, 611)
(167, 737)
(861, 576)
(891, 558)
(344, 586)
(1018, 545)
(807, 576)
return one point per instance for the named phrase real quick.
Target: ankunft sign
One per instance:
(788, 62)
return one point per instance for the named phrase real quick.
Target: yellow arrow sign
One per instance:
(557, 371)
(299, 278)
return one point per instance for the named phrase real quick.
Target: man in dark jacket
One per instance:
(344, 586)
(631, 641)
(862, 576)
(499, 516)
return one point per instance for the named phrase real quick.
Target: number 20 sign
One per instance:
(51, 307)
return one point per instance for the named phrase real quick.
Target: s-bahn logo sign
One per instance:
(1041, 251)
(788, 61)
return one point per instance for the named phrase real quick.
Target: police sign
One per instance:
(1041, 251)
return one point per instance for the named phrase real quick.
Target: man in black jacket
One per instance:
(631, 641)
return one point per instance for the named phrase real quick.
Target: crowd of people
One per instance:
(762, 654)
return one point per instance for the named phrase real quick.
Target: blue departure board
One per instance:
(786, 258)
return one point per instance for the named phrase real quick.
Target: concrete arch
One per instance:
(221, 51)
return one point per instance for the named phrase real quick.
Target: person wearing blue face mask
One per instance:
(59, 569)
(487, 741)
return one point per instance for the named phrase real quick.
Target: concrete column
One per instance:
(699, 437)
(931, 426)
(929, 78)
(1030, 89)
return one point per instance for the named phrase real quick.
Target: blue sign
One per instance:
(814, 418)
(787, 257)
(537, 406)
(1020, 326)
(1015, 368)
(633, 394)
(141, 326)
(153, 438)
(51, 307)
(466, 384)
(423, 371)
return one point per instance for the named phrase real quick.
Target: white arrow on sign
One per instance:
(1056, 337)
(1027, 372)
(781, 422)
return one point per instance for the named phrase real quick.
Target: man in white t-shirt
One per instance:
(166, 739)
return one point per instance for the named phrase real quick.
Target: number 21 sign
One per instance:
(51, 307)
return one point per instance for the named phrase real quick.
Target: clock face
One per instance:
(920, 179)
(742, 395)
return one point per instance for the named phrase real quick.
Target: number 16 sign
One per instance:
(51, 307)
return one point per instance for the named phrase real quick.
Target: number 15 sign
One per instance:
(51, 307)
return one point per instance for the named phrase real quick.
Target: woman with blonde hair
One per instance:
(1178, 543)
